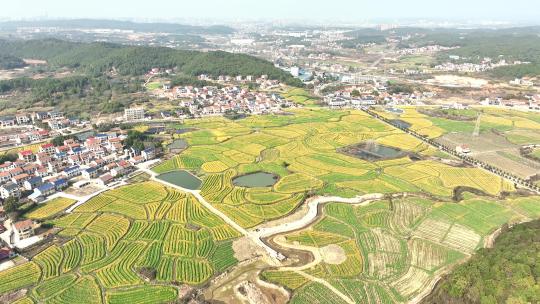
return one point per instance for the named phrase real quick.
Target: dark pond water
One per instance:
(178, 144)
(257, 179)
(373, 151)
(400, 123)
(182, 178)
(185, 130)
(394, 110)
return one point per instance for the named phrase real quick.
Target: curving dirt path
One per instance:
(312, 213)
(308, 219)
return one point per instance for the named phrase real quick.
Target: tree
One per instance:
(8, 157)
(355, 93)
(11, 204)
(58, 140)
(136, 140)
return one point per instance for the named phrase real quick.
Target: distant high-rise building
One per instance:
(295, 71)
(134, 114)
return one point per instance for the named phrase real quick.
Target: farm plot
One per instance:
(302, 149)
(400, 244)
(50, 208)
(142, 295)
(114, 239)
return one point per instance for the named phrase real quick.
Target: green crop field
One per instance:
(393, 249)
(516, 126)
(119, 237)
(137, 242)
(153, 86)
(300, 96)
(50, 209)
(302, 149)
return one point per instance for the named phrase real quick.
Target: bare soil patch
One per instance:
(224, 288)
(245, 249)
(494, 149)
(333, 254)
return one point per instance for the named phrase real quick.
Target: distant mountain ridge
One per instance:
(159, 27)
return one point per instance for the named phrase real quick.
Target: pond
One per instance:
(394, 110)
(181, 178)
(257, 179)
(184, 130)
(178, 144)
(400, 123)
(372, 151)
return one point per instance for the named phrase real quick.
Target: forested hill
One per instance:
(507, 273)
(98, 58)
(10, 62)
(171, 28)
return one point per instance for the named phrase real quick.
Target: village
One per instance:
(229, 95)
(87, 167)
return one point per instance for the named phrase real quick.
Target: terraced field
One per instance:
(302, 149)
(394, 249)
(385, 252)
(120, 239)
(50, 209)
(516, 126)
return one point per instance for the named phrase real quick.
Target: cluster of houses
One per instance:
(531, 103)
(214, 101)
(345, 100)
(485, 65)
(428, 49)
(10, 137)
(101, 158)
(54, 119)
(369, 95)
(22, 128)
(522, 82)
(263, 81)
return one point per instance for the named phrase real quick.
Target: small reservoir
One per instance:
(400, 123)
(372, 151)
(177, 145)
(255, 180)
(181, 178)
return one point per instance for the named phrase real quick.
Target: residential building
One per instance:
(26, 155)
(105, 179)
(5, 176)
(60, 184)
(90, 173)
(48, 149)
(9, 189)
(22, 119)
(33, 183)
(45, 189)
(7, 121)
(118, 171)
(72, 172)
(6, 253)
(148, 153)
(20, 179)
(24, 229)
(134, 114)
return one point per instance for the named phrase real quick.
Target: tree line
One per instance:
(8, 62)
(507, 273)
(98, 58)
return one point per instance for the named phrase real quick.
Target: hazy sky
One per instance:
(354, 10)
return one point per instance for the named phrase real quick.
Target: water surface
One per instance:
(257, 179)
(181, 178)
